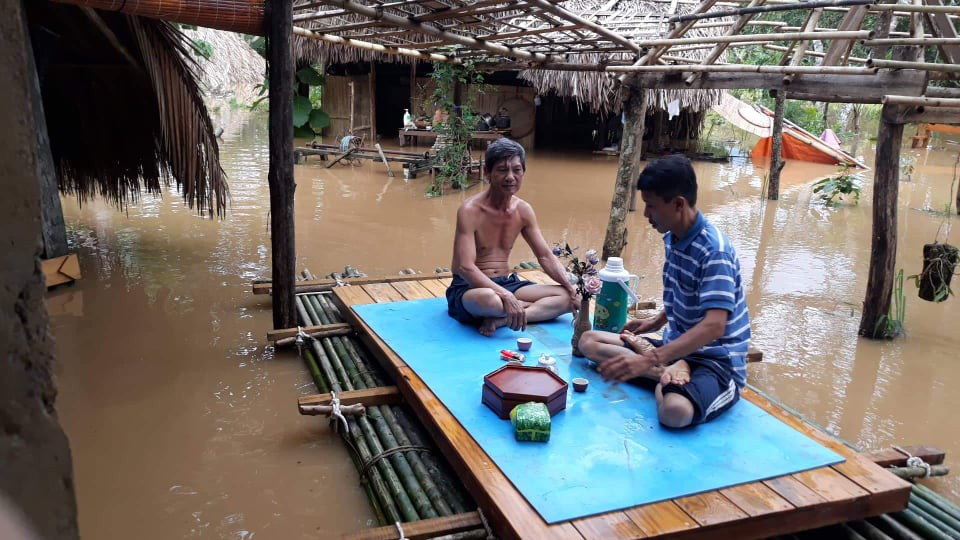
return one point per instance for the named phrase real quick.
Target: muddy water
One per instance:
(183, 423)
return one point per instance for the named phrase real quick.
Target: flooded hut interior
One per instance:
(427, 477)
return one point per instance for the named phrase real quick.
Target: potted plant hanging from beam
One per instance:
(939, 259)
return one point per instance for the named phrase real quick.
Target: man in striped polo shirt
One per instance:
(701, 360)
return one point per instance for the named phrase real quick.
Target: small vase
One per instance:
(581, 324)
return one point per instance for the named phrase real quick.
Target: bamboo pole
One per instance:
(909, 473)
(883, 253)
(750, 10)
(902, 64)
(900, 531)
(814, 54)
(933, 521)
(743, 68)
(927, 41)
(913, 8)
(750, 38)
(374, 47)
(111, 37)
(921, 101)
(935, 511)
(935, 498)
(776, 153)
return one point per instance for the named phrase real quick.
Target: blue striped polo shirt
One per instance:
(702, 272)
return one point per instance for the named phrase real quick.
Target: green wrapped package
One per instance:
(531, 422)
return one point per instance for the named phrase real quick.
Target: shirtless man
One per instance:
(484, 291)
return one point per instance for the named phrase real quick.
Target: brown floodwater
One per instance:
(182, 420)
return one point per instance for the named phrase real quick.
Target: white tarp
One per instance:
(745, 116)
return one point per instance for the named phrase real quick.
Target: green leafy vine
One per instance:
(458, 120)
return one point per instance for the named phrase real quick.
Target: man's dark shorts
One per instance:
(711, 389)
(459, 286)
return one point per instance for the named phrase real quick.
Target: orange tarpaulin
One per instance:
(793, 148)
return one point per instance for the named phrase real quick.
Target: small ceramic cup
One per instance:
(524, 343)
(580, 384)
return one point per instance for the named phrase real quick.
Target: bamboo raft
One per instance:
(829, 496)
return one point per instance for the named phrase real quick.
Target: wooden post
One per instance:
(776, 153)
(658, 117)
(353, 97)
(413, 88)
(372, 89)
(635, 109)
(53, 227)
(279, 16)
(883, 253)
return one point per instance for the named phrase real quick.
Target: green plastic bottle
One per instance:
(615, 297)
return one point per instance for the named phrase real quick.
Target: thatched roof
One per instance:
(533, 30)
(123, 107)
(635, 20)
(233, 70)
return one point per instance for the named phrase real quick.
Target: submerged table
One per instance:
(854, 489)
(416, 134)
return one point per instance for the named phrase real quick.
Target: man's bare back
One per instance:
(484, 291)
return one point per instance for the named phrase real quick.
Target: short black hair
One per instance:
(501, 149)
(669, 177)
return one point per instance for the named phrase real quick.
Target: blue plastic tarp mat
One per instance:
(606, 450)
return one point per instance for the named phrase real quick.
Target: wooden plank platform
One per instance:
(60, 270)
(847, 491)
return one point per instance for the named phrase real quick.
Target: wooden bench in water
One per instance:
(854, 489)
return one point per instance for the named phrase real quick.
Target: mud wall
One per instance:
(36, 474)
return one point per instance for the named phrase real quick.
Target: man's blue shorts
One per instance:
(711, 389)
(459, 286)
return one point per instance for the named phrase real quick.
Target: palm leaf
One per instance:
(187, 145)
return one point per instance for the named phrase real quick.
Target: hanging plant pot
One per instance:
(939, 263)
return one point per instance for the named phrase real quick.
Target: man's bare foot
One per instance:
(635, 342)
(677, 373)
(490, 325)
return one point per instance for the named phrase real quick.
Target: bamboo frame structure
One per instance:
(922, 101)
(751, 10)
(923, 66)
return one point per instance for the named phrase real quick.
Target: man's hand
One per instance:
(516, 316)
(574, 301)
(626, 366)
(641, 326)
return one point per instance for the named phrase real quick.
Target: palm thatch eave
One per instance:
(124, 112)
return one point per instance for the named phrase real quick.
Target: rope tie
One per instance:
(336, 416)
(915, 461)
(387, 453)
(486, 525)
(400, 531)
